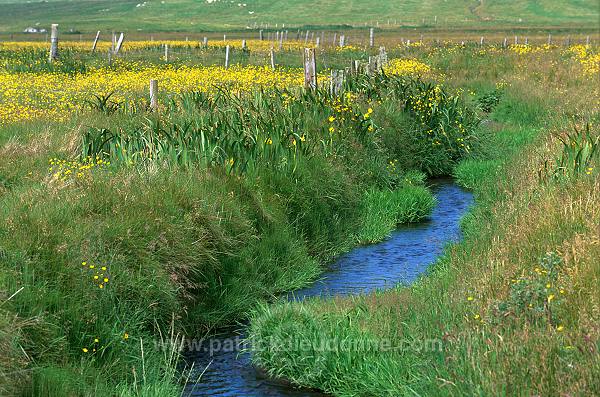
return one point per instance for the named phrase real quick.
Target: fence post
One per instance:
(227, 56)
(53, 42)
(153, 95)
(261, 35)
(166, 53)
(119, 43)
(272, 59)
(505, 43)
(317, 42)
(549, 39)
(342, 40)
(371, 37)
(310, 69)
(337, 82)
(372, 66)
(95, 42)
(383, 57)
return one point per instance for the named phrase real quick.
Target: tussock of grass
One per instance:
(384, 210)
(470, 173)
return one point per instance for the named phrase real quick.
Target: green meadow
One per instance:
(198, 16)
(127, 226)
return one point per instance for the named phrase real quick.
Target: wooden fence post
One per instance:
(371, 37)
(317, 42)
(166, 53)
(505, 42)
(383, 57)
(227, 56)
(261, 35)
(205, 42)
(53, 43)
(153, 95)
(342, 40)
(95, 42)
(310, 69)
(119, 43)
(337, 82)
(272, 59)
(372, 66)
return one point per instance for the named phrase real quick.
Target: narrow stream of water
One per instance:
(399, 259)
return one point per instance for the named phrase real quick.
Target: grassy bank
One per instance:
(122, 228)
(512, 309)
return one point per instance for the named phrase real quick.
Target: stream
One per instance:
(401, 258)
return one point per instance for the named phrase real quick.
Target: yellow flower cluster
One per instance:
(407, 67)
(585, 56)
(424, 103)
(63, 170)
(100, 276)
(523, 49)
(95, 346)
(105, 45)
(24, 96)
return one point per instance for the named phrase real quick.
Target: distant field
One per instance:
(190, 15)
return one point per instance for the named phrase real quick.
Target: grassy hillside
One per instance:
(198, 15)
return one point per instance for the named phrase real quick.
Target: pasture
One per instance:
(131, 221)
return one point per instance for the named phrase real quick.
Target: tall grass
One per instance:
(121, 217)
(512, 309)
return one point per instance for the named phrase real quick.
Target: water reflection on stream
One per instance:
(400, 259)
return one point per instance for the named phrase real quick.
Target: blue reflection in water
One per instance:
(400, 259)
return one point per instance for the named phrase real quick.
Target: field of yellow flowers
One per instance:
(26, 96)
(124, 227)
